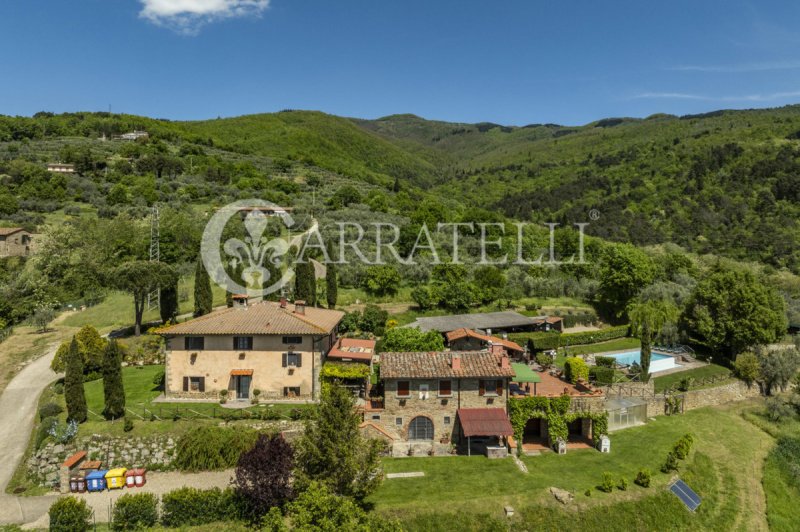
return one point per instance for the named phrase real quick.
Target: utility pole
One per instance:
(154, 297)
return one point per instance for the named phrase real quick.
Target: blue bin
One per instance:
(96, 480)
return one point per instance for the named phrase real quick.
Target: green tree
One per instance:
(373, 319)
(731, 311)
(168, 302)
(91, 346)
(624, 271)
(113, 389)
(74, 394)
(411, 339)
(139, 278)
(747, 367)
(203, 297)
(332, 450)
(778, 368)
(305, 283)
(491, 282)
(332, 285)
(382, 280)
(317, 509)
(647, 320)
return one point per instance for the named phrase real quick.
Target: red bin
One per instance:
(73, 484)
(130, 480)
(141, 477)
(81, 485)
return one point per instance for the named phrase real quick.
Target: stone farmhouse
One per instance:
(15, 242)
(275, 347)
(468, 340)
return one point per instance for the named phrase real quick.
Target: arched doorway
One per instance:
(420, 428)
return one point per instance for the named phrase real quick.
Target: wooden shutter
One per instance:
(285, 359)
(186, 384)
(186, 345)
(403, 388)
(500, 387)
(202, 386)
(299, 359)
(445, 387)
(481, 387)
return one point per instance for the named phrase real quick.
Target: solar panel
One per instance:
(685, 494)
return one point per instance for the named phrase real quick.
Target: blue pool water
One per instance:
(658, 362)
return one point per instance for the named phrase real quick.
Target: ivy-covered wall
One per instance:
(556, 411)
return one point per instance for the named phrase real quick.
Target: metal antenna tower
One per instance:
(154, 297)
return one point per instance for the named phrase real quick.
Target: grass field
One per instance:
(469, 493)
(714, 372)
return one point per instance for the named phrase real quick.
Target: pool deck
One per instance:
(680, 364)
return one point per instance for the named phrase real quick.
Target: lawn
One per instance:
(705, 376)
(727, 461)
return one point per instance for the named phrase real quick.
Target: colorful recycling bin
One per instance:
(130, 478)
(73, 484)
(81, 484)
(140, 477)
(115, 478)
(96, 480)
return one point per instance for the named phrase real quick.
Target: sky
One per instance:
(504, 61)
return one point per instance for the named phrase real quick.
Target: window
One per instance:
(292, 360)
(445, 388)
(446, 420)
(194, 384)
(376, 417)
(291, 391)
(243, 343)
(292, 340)
(194, 343)
(420, 428)
(489, 388)
(403, 389)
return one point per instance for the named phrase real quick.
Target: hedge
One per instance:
(69, 514)
(575, 368)
(135, 511)
(602, 375)
(540, 341)
(192, 506)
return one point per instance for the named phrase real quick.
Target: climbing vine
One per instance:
(556, 411)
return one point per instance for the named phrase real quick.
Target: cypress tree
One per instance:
(305, 285)
(113, 389)
(203, 298)
(332, 285)
(73, 384)
(168, 299)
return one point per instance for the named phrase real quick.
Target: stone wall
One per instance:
(727, 393)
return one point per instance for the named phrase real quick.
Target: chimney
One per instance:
(284, 301)
(239, 300)
(504, 362)
(455, 362)
(496, 348)
(300, 307)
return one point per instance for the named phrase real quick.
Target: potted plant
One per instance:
(223, 396)
(254, 399)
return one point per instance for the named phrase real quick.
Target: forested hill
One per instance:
(726, 182)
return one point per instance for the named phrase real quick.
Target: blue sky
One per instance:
(511, 62)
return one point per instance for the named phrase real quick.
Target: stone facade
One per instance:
(270, 371)
(16, 244)
(425, 400)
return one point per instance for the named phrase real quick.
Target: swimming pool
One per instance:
(658, 362)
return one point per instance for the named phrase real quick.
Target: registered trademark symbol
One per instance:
(594, 214)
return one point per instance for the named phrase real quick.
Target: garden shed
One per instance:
(624, 412)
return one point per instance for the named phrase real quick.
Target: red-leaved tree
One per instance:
(263, 474)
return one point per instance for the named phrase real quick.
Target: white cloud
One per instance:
(188, 16)
(763, 97)
(742, 68)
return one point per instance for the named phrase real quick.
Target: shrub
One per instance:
(779, 410)
(544, 360)
(602, 375)
(588, 492)
(128, 426)
(63, 433)
(192, 506)
(747, 367)
(44, 429)
(623, 484)
(575, 368)
(49, 410)
(642, 478)
(605, 362)
(671, 464)
(607, 485)
(685, 383)
(158, 379)
(212, 448)
(58, 388)
(263, 474)
(134, 511)
(683, 446)
(69, 514)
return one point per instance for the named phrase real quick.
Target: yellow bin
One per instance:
(115, 478)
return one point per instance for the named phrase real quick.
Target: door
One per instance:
(243, 386)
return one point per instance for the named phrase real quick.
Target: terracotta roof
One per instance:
(478, 320)
(265, 317)
(485, 422)
(464, 332)
(5, 231)
(437, 364)
(355, 348)
(548, 319)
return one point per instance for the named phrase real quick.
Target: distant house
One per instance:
(278, 348)
(352, 350)
(469, 340)
(486, 322)
(15, 242)
(548, 323)
(265, 210)
(428, 394)
(61, 168)
(134, 135)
